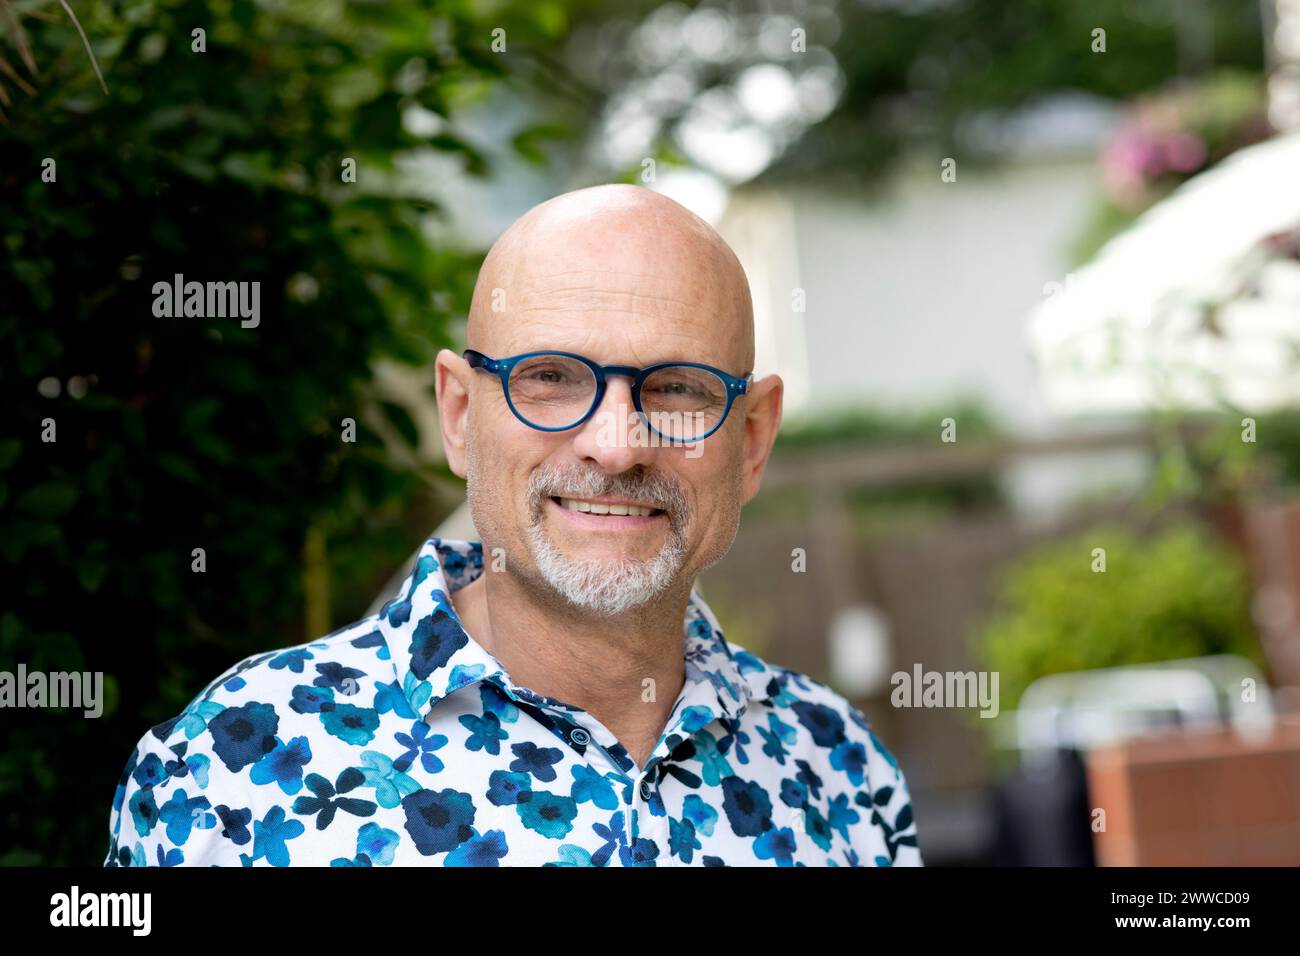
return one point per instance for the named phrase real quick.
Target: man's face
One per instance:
(596, 294)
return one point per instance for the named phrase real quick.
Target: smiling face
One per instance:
(606, 515)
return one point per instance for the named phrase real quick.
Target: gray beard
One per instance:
(608, 587)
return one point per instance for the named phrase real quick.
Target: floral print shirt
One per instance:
(400, 741)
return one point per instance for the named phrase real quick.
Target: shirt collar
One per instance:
(434, 656)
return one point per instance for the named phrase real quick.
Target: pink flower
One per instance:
(1184, 152)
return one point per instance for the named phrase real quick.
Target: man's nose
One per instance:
(615, 436)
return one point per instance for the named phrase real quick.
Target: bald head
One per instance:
(615, 265)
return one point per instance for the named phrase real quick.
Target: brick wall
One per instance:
(1203, 798)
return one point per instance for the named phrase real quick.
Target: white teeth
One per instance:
(596, 508)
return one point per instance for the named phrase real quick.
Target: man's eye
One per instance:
(676, 388)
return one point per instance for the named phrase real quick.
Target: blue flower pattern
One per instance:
(399, 741)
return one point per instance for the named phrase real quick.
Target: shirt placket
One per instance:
(638, 784)
(642, 793)
(695, 693)
(582, 731)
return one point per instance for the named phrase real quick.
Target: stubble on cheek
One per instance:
(500, 514)
(484, 505)
(721, 515)
(725, 518)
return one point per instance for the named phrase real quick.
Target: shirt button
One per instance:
(579, 736)
(647, 791)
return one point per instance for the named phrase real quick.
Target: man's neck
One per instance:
(598, 663)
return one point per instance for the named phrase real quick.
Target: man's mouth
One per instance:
(614, 508)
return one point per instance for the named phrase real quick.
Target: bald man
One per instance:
(557, 693)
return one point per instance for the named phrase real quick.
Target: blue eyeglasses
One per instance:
(555, 391)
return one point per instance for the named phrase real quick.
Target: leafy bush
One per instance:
(1177, 594)
(180, 433)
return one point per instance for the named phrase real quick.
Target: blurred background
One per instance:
(1030, 271)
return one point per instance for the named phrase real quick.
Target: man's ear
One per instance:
(762, 420)
(451, 378)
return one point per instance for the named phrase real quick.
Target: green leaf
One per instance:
(49, 500)
(178, 467)
(91, 574)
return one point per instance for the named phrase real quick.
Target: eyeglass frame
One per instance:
(501, 368)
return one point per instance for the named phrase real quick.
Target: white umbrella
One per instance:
(1187, 308)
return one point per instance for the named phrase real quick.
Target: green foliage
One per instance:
(196, 432)
(918, 72)
(867, 425)
(1223, 462)
(906, 74)
(1177, 594)
(1278, 438)
(876, 510)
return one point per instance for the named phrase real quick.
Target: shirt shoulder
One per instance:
(840, 749)
(185, 795)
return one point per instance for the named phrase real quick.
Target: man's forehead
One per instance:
(642, 293)
(615, 338)
(636, 274)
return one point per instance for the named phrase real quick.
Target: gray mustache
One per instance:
(653, 489)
